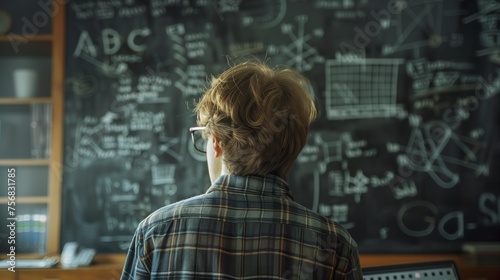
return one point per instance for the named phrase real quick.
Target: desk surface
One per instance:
(110, 266)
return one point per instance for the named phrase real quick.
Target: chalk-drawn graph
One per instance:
(419, 24)
(343, 183)
(486, 7)
(299, 53)
(426, 152)
(265, 14)
(163, 174)
(323, 152)
(173, 146)
(364, 88)
(340, 182)
(331, 151)
(488, 17)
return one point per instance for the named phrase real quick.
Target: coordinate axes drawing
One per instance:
(299, 53)
(419, 24)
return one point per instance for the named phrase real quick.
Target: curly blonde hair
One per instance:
(261, 117)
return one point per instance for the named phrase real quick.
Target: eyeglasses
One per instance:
(200, 144)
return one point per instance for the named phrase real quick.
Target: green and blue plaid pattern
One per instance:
(243, 227)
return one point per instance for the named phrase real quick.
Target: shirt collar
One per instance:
(268, 185)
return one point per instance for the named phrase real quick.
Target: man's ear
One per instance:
(216, 146)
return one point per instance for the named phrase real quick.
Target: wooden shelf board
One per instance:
(23, 162)
(26, 48)
(31, 199)
(33, 38)
(14, 101)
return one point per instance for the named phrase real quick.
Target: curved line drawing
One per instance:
(426, 148)
(460, 226)
(278, 18)
(430, 220)
(316, 185)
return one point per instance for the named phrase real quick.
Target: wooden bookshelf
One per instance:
(33, 47)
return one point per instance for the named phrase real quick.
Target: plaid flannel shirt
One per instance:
(243, 227)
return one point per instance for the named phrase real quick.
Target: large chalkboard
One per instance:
(405, 152)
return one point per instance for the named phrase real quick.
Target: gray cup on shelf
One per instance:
(25, 82)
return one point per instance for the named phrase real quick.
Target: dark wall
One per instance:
(405, 152)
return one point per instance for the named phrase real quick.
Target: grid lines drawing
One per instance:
(364, 88)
